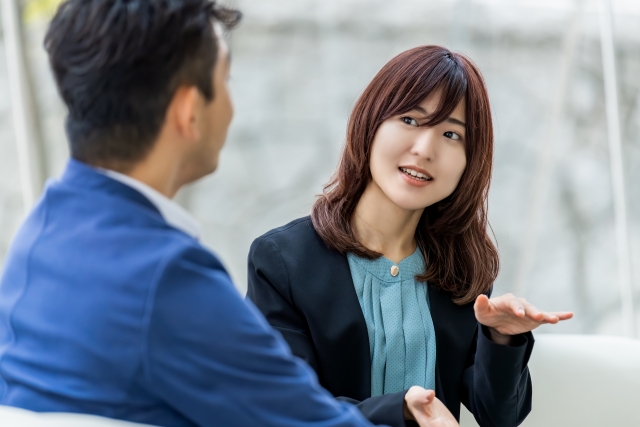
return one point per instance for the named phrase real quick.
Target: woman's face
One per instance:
(416, 166)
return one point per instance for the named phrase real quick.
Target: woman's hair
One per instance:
(460, 256)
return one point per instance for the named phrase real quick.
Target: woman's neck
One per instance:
(384, 227)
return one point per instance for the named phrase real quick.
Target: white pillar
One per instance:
(546, 160)
(24, 121)
(616, 164)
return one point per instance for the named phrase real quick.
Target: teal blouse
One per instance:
(402, 339)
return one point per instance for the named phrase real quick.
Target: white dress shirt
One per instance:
(175, 215)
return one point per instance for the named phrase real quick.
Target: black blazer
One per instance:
(306, 292)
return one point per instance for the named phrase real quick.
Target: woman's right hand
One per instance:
(426, 409)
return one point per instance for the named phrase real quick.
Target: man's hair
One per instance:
(118, 64)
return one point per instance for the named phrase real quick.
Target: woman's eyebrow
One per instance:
(456, 122)
(451, 120)
(421, 110)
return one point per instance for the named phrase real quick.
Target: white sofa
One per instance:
(578, 380)
(15, 417)
(582, 380)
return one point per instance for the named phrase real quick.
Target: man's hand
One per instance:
(426, 409)
(507, 315)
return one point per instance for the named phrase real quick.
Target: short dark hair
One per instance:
(118, 63)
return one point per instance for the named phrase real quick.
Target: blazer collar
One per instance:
(173, 213)
(80, 175)
(455, 326)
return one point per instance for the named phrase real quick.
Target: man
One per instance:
(108, 303)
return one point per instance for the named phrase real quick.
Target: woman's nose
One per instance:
(425, 145)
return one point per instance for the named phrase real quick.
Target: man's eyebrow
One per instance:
(451, 120)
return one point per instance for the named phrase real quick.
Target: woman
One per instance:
(387, 284)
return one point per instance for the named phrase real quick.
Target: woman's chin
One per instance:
(409, 203)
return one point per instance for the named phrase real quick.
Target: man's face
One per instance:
(217, 115)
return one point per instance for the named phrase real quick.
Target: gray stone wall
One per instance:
(299, 65)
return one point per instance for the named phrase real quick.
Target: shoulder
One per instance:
(301, 227)
(292, 237)
(191, 279)
(190, 251)
(297, 251)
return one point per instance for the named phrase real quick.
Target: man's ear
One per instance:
(184, 111)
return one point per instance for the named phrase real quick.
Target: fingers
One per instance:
(506, 304)
(556, 317)
(482, 302)
(429, 396)
(481, 307)
(532, 312)
(538, 316)
(563, 315)
(419, 402)
(418, 398)
(517, 307)
(510, 315)
(527, 309)
(521, 308)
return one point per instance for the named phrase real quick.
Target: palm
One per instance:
(509, 315)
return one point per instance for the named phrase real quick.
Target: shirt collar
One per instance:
(174, 214)
(407, 269)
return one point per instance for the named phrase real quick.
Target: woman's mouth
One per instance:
(418, 176)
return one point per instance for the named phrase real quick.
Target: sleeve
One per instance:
(386, 409)
(269, 289)
(213, 358)
(496, 384)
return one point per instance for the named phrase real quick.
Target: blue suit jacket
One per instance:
(106, 309)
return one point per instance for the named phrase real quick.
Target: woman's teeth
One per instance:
(416, 175)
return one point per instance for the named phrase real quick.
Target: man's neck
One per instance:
(161, 173)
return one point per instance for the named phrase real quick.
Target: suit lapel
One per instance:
(356, 318)
(338, 326)
(455, 327)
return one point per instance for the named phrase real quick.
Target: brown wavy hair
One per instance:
(452, 234)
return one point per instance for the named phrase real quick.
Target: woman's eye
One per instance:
(409, 121)
(452, 135)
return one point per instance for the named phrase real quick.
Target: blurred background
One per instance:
(298, 67)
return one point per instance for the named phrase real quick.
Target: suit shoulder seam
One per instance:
(287, 227)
